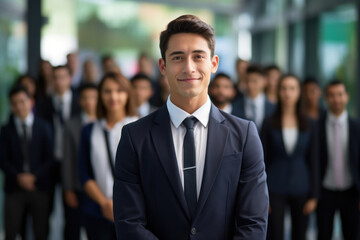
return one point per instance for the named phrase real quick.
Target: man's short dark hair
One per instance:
(256, 69)
(62, 67)
(335, 82)
(220, 75)
(87, 86)
(187, 24)
(309, 80)
(16, 90)
(106, 57)
(272, 67)
(140, 77)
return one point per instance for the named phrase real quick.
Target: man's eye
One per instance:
(199, 56)
(176, 58)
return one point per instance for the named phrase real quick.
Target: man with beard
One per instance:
(222, 92)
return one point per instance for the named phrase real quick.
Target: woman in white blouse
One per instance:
(98, 146)
(291, 157)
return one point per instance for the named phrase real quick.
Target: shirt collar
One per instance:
(177, 115)
(258, 100)
(29, 120)
(65, 98)
(340, 119)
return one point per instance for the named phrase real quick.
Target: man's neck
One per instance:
(222, 106)
(190, 104)
(255, 96)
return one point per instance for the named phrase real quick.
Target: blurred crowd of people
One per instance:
(61, 135)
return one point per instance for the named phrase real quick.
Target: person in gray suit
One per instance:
(72, 189)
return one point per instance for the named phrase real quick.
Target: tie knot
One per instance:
(189, 122)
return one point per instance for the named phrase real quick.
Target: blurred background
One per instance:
(309, 38)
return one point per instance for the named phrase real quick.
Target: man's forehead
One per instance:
(187, 42)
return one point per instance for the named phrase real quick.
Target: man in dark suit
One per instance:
(339, 166)
(73, 192)
(26, 159)
(188, 170)
(143, 91)
(57, 109)
(254, 105)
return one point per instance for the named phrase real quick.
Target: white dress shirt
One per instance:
(329, 180)
(259, 103)
(29, 121)
(177, 116)
(144, 109)
(228, 108)
(66, 112)
(290, 136)
(99, 155)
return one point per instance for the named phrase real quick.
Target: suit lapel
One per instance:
(163, 143)
(217, 137)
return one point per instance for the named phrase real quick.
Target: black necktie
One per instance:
(60, 112)
(25, 147)
(190, 165)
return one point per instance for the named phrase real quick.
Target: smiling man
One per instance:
(189, 170)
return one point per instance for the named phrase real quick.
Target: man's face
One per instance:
(221, 91)
(88, 100)
(256, 84)
(311, 93)
(21, 105)
(337, 98)
(273, 78)
(143, 91)
(62, 80)
(188, 66)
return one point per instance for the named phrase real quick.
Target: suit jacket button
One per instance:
(193, 231)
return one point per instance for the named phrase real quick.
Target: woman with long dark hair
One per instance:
(98, 146)
(290, 148)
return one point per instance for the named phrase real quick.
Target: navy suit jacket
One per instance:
(41, 154)
(238, 108)
(296, 173)
(353, 149)
(149, 201)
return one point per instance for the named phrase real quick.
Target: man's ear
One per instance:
(162, 66)
(214, 63)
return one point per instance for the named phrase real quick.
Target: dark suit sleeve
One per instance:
(129, 204)
(68, 160)
(8, 168)
(313, 161)
(253, 199)
(84, 164)
(43, 171)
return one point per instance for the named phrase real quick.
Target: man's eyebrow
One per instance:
(175, 53)
(198, 51)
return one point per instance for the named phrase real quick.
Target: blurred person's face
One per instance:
(113, 97)
(90, 72)
(221, 91)
(46, 68)
(88, 101)
(289, 91)
(273, 78)
(109, 65)
(255, 84)
(72, 62)
(145, 66)
(241, 68)
(29, 84)
(21, 105)
(62, 80)
(188, 66)
(143, 91)
(337, 98)
(311, 93)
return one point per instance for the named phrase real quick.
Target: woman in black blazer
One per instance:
(97, 151)
(291, 157)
